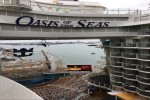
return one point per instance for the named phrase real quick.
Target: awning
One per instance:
(124, 95)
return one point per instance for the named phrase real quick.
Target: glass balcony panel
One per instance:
(129, 76)
(144, 44)
(116, 79)
(116, 63)
(143, 68)
(116, 73)
(18, 3)
(143, 74)
(143, 92)
(116, 83)
(129, 87)
(128, 65)
(144, 56)
(129, 44)
(14, 2)
(6, 2)
(117, 69)
(116, 44)
(144, 80)
(118, 54)
(130, 55)
(130, 72)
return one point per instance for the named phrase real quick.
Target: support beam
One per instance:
(48, 63)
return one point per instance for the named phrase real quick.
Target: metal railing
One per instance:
(129, 76)
(101, 85)
(116, 83)
(144, 32)
(144, 56)
(116, 73)
(130, 55)
(129, 87)
(144, 68)
(129, 44)
(116, 63)
(143, 80)
(144, 15)
(116, 44)
(129, 65)
(26, 3)
(144, 44)
(143, 92)
(118, 54)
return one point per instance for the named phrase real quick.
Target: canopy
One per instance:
(124, 95)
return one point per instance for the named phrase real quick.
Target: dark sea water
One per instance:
(69, 53)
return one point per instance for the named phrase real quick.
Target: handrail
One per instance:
(26, 3)
(99, 84)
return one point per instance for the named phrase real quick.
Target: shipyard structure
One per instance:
(126, 33)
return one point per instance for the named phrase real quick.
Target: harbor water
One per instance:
(71, 54)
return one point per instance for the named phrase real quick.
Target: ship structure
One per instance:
(125, 35)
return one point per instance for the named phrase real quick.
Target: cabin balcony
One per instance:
(129, 44)
(143, 80)
(145, 69)
(114, 83)
(129, 66)
(116, 44)
(116, 73)
(129, 76)
(143, 89)
(116, 63)
(129, 87)
(144, 56)
(144, 44)
(143, 93)
(116, 54)
(130, 55)
(15, 4)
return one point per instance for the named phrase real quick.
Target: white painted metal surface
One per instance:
(10, 90)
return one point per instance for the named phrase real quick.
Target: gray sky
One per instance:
(134, 4)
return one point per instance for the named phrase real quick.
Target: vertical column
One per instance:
(0, 67)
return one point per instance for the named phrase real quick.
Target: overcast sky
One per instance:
(134, 4)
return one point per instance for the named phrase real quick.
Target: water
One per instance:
(70, 53)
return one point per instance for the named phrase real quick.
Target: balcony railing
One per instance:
(144, 56)
(129, 76)
(117, 69)
(116, 83)
(144, 68)
(116, 44)
(144, 44)
(143, 92)
(144, 80)
(130, 55)
(143, 74)
(129, 87)
(26, 4)
(16, 2)
(116, 63)
(118, 54)
(129, 44)
(116, 78)
(128, 65)
(144, 32)
(116, 73)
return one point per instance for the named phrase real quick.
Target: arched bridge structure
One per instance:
(29, 21)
